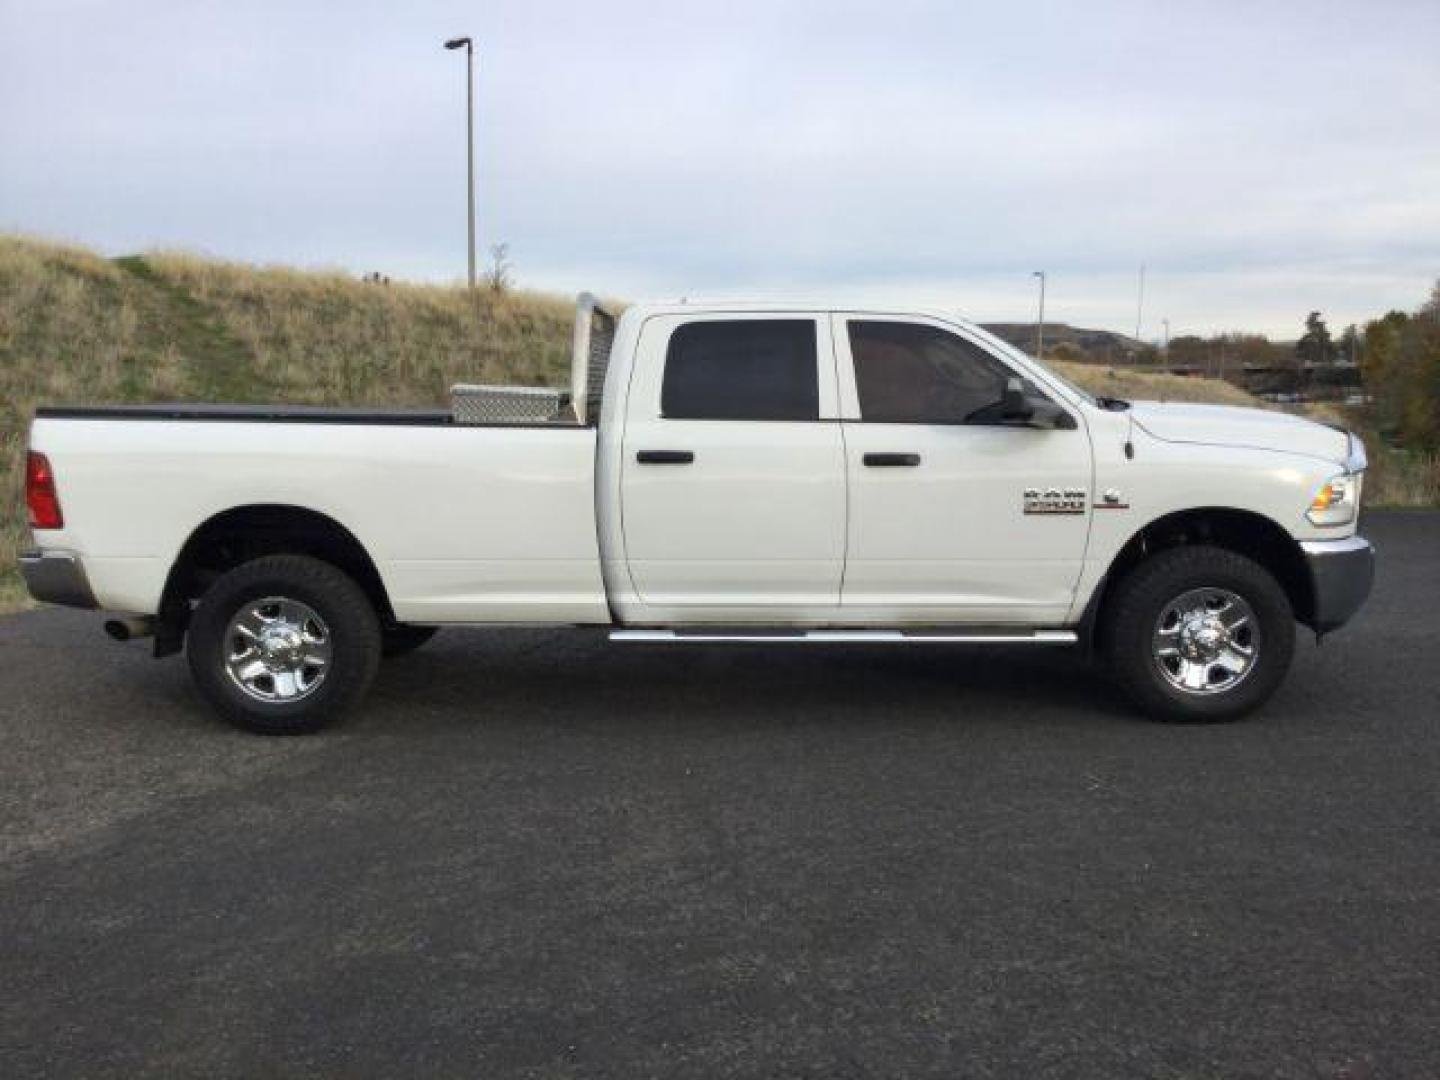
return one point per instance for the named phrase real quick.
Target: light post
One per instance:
(455, 43)
(1140, 306)
(1165, 341)
(1040, 321)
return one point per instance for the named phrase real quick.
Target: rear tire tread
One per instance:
(335, 597)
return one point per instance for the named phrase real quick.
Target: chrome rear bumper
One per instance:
(57, 577)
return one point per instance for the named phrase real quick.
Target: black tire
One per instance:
(352, 637)
(397, 639)
(1134, 612)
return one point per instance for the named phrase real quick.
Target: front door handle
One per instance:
(892, 461)
(665, 457)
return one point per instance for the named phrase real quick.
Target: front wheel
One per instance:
(1199, 633)
(283, 645)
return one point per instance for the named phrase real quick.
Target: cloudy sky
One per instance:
(1261, 159)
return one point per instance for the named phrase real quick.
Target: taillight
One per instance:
(40, 494)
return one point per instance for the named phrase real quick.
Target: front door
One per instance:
(733, 467)
(955, 516)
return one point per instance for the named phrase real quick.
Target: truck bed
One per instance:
(464, 522)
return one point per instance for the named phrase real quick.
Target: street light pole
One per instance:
(455, 43)
(1140, 305)
(1040, 322)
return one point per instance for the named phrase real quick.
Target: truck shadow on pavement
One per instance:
(466, 676)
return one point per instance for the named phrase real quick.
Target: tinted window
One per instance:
(911, 374)
(759, 369)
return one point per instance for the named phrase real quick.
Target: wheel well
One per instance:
(248, 532)
(1252, 535)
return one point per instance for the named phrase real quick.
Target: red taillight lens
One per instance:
(40, 494)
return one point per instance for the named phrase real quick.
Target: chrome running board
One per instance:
(844, 637)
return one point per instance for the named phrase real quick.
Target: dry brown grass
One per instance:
(12, 524)
(1401, 479)
(1136, 385)
(327, 338)
(72, 328)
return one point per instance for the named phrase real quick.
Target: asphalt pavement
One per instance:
(537, 854)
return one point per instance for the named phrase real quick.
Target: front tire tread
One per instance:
(1132, 610)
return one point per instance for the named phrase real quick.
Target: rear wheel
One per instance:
(1199, 633)
(283, 645)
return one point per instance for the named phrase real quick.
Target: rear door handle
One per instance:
(892, 461)
(665, 457)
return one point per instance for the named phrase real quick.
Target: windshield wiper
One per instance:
(1112, 404)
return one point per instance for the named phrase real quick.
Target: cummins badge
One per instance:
(1055, 500)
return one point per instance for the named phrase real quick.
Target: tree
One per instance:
(1420, 370)
(1380, 368)
(1188, 351)
(499, 277)
(1431, 307)
(1067, 352)
(1257, 352)
(1147, 355)
(1400, 365)
(1348, 350)
(1314, 347)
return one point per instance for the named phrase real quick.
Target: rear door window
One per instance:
(742, 369)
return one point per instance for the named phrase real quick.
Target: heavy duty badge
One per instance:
(1055, 500)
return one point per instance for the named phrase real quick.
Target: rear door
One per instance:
(733, 494)
(954, 516)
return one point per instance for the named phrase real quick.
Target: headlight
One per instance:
(1336, 501)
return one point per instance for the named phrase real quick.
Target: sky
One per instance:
(1259, 159)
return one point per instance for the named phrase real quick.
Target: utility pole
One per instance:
(455, 43)
(1140, 305)
(1165, 341)
(1040, 321)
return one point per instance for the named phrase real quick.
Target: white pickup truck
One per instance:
(715, 473)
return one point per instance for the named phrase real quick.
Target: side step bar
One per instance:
(845, 637)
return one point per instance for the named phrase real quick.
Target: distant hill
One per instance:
(1095, 343)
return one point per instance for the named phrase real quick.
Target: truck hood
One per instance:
(1225, 425)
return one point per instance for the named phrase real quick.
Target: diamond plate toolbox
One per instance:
(471, 404)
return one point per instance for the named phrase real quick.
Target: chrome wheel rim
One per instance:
(1206, 641)
(277, 650)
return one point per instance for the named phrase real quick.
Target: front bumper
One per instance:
(1341, 573)
(57, 577)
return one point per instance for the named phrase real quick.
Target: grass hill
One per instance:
(78, 328)
(1095, 343)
